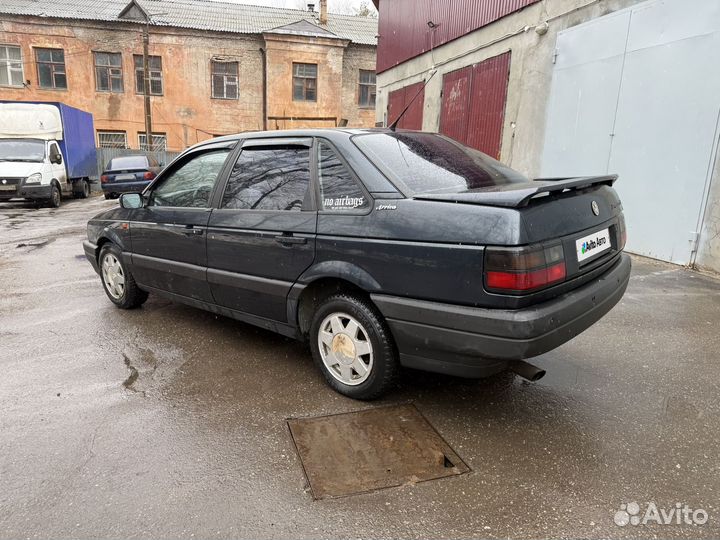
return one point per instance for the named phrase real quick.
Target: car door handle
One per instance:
(191, 231)
(289, 239)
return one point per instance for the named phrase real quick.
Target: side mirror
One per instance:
(131, 200)
(56, 159)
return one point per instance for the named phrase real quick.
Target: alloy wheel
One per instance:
(113, 276)
(345, 348)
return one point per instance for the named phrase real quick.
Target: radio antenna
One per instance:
(392, 126)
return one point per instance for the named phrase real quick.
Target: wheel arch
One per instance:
(321, 282)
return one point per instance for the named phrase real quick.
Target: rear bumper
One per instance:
(125, 187)
(476, 342)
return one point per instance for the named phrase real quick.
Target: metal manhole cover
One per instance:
(362, 451)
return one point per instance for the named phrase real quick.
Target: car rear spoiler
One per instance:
(517, 195)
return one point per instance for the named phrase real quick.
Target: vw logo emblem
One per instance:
(4, 181)
(595, 208)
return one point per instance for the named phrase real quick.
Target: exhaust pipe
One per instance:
(526, 370)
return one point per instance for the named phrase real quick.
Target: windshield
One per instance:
(22, 150)
(128, 162)
(431, 163)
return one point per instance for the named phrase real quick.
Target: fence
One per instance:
(106, 154)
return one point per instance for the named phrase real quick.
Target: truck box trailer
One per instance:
(47, 151)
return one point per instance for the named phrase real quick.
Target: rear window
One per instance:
(429, 163)
(128, 162)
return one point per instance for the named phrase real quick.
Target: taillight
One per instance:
(149, 175)
(523, 269)
(622, 232)
(104, 179)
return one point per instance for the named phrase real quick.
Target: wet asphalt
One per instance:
(169, 422)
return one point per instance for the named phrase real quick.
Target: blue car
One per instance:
(128, 174)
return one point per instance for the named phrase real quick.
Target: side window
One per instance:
(338, 189)
(269, 178)
(54, 151)
(190, 185)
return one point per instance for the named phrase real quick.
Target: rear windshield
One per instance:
(430, 163)
(128, 162)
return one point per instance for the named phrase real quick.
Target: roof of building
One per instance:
(199, 15)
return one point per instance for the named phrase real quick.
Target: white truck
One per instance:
(47, 151)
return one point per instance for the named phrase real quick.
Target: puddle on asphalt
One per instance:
(351, 453)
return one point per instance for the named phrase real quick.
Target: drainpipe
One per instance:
(323, 11)
(263, 52)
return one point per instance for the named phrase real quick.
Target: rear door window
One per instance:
(190, 184)
(269, 178)
(338, 189)
(430, 163)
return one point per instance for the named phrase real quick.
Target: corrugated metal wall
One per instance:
(404, 31)
(399, 99)
(473, 104)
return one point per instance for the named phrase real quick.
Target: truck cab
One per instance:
(47, 152)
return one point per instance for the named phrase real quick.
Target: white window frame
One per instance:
(159, 141)
(115, 133)
(8, 67)
(228, 80)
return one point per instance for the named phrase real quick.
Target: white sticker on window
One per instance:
(343, 203)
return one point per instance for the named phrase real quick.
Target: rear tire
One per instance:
(108, 196)
(83, 193)
(353, 348)
(117, 280)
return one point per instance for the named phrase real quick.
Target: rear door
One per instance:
(169, 233)
(261, 235)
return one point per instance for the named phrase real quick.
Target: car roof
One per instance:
(330, 133)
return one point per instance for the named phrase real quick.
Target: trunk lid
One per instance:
(582, 214)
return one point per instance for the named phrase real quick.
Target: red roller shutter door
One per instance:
(473, 104)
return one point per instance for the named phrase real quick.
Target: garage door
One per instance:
(399, 99)
(473, 104)
(637, 93)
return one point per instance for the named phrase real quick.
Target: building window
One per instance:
(11, 68)
(51, 68)
(304, 82)
(155, 75)
(112, 139)
(225, 80)
(108, 72)
(366, 95)
(159, 142)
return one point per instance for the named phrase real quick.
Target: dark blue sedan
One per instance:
(128, 174)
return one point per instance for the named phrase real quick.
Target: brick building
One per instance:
(215, 68)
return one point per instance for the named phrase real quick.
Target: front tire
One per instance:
(55, 197)
(117, 280)
(353, 347)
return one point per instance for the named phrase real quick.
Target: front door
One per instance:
(169, 233)
(58, 169)
(262, 235)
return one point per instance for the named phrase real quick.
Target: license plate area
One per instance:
(125, 177)
(7, 188)
(590, 246)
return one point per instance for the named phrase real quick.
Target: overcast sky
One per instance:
(334, 6)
